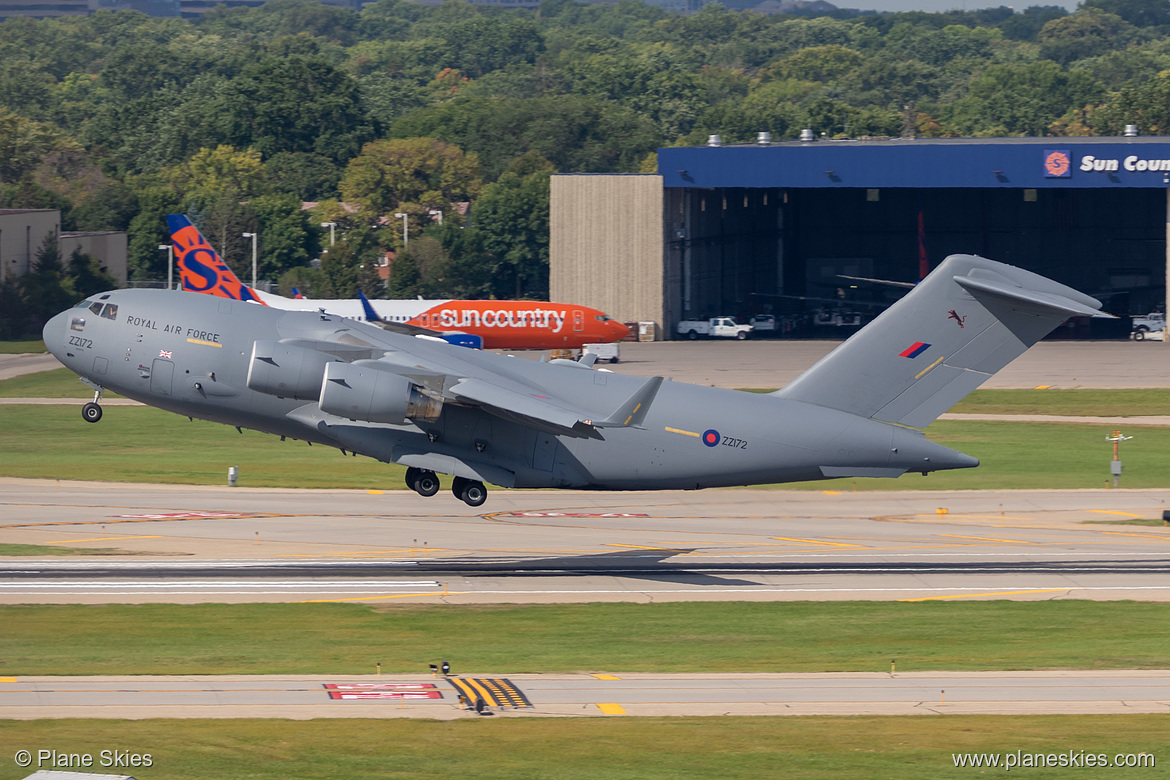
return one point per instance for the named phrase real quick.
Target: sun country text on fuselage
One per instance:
(500, 324)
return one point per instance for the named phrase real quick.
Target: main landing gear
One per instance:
(426, 483)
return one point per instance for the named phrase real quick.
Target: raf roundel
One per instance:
(711, 437)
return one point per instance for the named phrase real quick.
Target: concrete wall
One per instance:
(606, 244)
(21, 233)
(109, 247)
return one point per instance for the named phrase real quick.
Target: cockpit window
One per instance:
(110, 312)
(82, 305)
(95, 307)
(77, 323)
(602, 317)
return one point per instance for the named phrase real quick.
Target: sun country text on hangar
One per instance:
(771, 227)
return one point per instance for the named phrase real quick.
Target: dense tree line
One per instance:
(238, 117)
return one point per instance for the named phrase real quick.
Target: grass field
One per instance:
(821, 748)
(48, 549)
(337, 638)
(55, 383)
(22, 347)
(140, 444)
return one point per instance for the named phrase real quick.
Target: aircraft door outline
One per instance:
(162, 374)
(578, 320)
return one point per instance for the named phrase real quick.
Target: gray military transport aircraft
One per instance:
(483, 417)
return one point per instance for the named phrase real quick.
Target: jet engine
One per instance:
(286, 370)
(362, 391)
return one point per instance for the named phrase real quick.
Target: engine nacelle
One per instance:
(360, 391)
(287, 371)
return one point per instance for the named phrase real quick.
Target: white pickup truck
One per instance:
(716, 327)
(1151, 323)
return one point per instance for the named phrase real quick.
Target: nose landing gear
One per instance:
(92, 412)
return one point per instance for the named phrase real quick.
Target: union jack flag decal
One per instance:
(164, 353)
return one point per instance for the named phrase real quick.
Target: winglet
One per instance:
(371, 315)
(200, 267)
(633, 411)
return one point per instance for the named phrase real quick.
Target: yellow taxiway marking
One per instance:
(815, 541)
(611, 709)
(684, 433)
(205, 343)
(644, 547)
(7, 679)
(982, 595)
(102, 539)
(922, 373)
(375, 492)
(1042, 387)
(831, 492)
(598, 676)
(1114, 512)
(986, 539)
(1139, 536)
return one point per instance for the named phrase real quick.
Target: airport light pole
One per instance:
(253, 237)
(331, 226)
(405, 229)
(170, 263)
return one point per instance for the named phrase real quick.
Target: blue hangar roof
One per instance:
(924, 162)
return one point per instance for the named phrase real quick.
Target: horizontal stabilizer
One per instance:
(965, 321)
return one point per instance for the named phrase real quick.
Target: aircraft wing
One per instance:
(453, 377)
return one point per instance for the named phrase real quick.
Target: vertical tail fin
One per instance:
(968, 319)
(200, 266)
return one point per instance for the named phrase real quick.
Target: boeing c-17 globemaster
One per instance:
(482, 417)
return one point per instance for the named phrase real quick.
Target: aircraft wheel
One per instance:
(473, 493)
(426, 484)
(91, 412)
(411, 476)
(457, 485)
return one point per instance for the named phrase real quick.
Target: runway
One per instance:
(578, 695)
(201, 544)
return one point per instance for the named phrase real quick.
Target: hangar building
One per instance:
(770, 228)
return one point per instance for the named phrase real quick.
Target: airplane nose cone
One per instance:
(54, 333)
(618, 331)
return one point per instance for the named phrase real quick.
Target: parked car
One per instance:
(1151, 323)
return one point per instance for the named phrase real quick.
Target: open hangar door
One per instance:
(783, 251)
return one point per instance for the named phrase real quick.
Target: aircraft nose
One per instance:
(54, 333)
(618, 331)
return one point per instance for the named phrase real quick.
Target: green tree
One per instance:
(287, 238)
(426, 171)
(45, 288)
(14, 317)
(1087, 33)
(512, 216)
(87, 276)
(1139, 13)
(1021, 99)
(292, 104)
